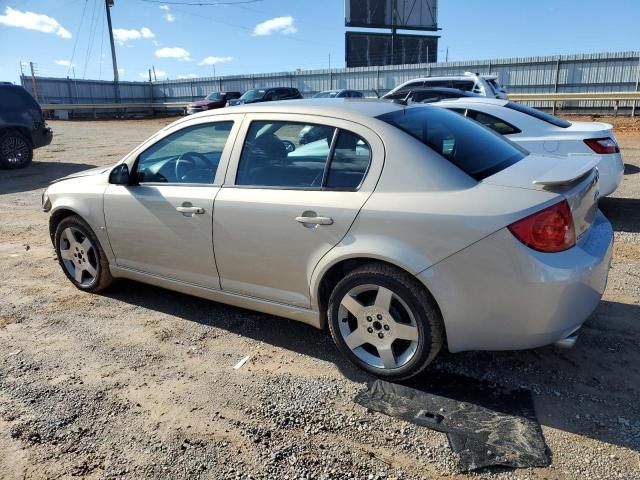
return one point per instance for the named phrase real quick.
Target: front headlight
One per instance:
(46, 203)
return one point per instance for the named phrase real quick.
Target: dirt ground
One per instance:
(139, 382)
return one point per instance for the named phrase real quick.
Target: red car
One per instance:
(211, 101)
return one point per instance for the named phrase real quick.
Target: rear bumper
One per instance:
(41, 137)
(611, 170)
(498, 294)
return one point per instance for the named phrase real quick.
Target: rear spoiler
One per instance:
(569, 169)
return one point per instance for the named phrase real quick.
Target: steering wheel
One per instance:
(191, 159)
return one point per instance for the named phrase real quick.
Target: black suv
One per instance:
(267, 95)
(22, 127)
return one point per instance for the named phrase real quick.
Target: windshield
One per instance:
(474, 149)
(539, 114)
(253, 95)
(214, 96)
(326, 94)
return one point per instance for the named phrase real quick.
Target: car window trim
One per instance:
(327, 164)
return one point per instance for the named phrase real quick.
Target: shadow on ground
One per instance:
(630, 169)
(623, 213)
(37, 175)
(566, 383)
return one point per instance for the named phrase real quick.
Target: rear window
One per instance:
(539, 114)
(474, 149)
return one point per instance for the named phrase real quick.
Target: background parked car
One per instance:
(339, 94)
(211, 101)
(485, 85)
(267, 95)
(22, 127)
(418, 95)
(540, 132)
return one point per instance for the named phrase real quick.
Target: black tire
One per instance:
(16, 150)
(95, 256)
(426, 314)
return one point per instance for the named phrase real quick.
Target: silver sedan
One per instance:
(401, 229)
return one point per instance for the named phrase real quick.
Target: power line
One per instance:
(202, 4)
(92, 26)
(101, 45)
(75, 44)
(242, 27)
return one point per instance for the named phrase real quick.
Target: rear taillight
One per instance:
(603, 145)
(549, 230)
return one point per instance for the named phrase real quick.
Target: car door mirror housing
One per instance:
(120, 175)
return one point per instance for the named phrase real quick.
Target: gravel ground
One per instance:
(139, 382)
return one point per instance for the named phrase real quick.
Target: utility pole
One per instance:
(108, 4)
(33, 81)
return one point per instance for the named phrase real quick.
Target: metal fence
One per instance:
(588, 73)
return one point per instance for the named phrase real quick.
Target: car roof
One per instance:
(462, 93)
(476, 100)
(347, 108)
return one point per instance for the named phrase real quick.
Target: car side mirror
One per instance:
(120, 175)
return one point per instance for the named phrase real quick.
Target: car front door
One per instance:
(284, 204)
(162, 222)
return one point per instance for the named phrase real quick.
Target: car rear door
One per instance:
(162, 223)
(281, 209)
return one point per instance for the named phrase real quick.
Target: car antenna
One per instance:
(403, 101)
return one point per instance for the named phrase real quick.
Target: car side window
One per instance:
(464, 85)
(349, 163)
(299, 155)
(494, 123)
(190, 155)
(284, 154)
(437, 83)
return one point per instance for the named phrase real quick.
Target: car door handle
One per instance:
(196, 210)
(315, 220)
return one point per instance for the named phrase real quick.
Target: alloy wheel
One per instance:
(79, 256)
(378, 326)
(14, 149)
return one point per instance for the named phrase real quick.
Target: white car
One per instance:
(540, 132)
(485, 85)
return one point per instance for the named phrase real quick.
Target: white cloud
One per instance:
(184, 77)
(146, 33)
(169, 17)
(285, 25)
(216, 60)
(122, 71)
(65, 63)
(123, 35)
(173, 52)
(33, 21)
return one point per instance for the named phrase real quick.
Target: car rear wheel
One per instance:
(15, 150)
(80, 255)
(385, 322)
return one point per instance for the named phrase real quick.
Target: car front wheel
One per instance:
(385, 322)
(15, 150)
(80, 255)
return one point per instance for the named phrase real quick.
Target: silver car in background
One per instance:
(401, 229)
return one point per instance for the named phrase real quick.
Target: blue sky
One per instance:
(279, 35)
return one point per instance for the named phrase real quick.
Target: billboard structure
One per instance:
(366, 49)
(402, 14)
